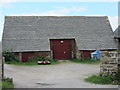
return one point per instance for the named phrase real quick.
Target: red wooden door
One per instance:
(61, 49)
(87, 53)
(26, 56)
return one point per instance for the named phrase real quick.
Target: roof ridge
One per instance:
(56, 16)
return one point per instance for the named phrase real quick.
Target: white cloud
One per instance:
(95, 15)
(3, 1)
(40, 14)
(6, 5)
(113, 21)
(73, 8)
(1, 29)
(59, 12)
(50, 13)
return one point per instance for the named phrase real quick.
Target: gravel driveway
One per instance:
(66, 75)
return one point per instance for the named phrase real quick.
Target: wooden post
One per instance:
(3, 60)
(51, 54)
(20, 56)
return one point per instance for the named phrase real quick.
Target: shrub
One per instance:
(39, 58)
(86, 61)
(98, 79)
(118, 76)
(9, 55)
(7, 83)
(42, 58)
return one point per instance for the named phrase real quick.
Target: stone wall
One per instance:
(109, 63)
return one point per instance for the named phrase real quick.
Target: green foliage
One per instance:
(7, 83)
(39, 58)
(9, 56)
(105, 80)
(118, 76)
(86, 61)
(21, 63)
(33, 61)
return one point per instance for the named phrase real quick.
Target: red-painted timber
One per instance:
(61, 49)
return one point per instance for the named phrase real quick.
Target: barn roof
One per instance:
(32, 33)
(117, 32)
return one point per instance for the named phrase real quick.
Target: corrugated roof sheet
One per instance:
(32, 33)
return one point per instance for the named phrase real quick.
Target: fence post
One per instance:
(3, 59)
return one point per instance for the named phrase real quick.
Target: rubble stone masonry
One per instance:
(109, 63)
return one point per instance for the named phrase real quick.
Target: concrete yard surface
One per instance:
(66, 75)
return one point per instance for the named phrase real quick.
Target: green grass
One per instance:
(54, 62)
(30, 63)
(7, 83)
(20, 63)
(86, 61)
(0, 83)
(104, 80)
(33, 61)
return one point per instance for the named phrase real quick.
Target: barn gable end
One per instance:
(33, 33)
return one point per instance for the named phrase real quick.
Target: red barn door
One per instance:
(61, 49)
(26, 56)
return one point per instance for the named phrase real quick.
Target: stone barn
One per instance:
(57, 37)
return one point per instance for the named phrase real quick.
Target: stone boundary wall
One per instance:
(109, 63)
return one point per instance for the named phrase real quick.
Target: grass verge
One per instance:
(53, 62)
(104, 80)
(7, 83)
(86, 61)
(30, 63)
(20, 63)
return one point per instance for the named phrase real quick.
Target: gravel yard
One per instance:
(66, 75)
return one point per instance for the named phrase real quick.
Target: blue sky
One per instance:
(109, 9)
(84, 8)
